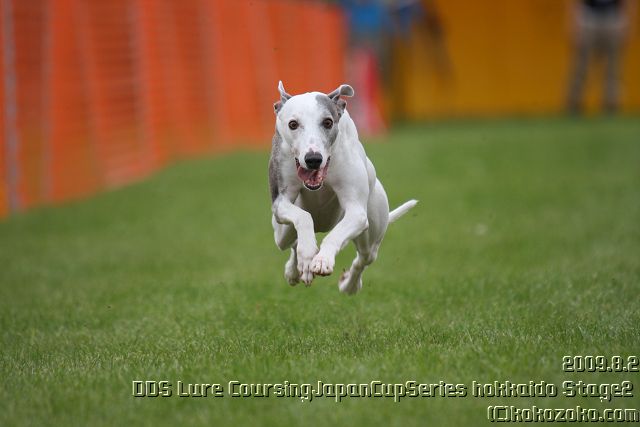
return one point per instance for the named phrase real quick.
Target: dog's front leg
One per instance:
(352, 225)
(286, 212)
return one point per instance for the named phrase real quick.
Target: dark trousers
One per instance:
(598, 35)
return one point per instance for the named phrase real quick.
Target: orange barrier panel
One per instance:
(26, 111)
(108, 91)
(4, 193)
(74, 168)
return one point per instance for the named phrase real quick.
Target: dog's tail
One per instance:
(401, 210)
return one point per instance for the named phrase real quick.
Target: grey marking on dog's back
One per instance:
(274, 166)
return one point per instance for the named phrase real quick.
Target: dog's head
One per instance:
(308, 123)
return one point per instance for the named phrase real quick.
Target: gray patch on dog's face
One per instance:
(330, 109)
(274, 167)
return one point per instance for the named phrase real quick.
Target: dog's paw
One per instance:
(305, 256)
(291, 273)
(322, 265)
(349, 284)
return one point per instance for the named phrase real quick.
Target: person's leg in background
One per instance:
(612, 46)
(583, 41)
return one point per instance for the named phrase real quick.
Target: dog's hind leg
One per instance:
(351, 280)
(368, 243)
(291, 272)
(285, 236)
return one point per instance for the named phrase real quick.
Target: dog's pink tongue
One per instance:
(307, 174)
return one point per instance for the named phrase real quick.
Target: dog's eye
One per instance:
(327, 123)
(293, 125)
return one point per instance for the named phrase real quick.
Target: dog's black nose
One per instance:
(313, 160)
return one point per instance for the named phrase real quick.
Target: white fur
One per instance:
(351, 205)
(303, 109)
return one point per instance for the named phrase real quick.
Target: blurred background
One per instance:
(95, 93)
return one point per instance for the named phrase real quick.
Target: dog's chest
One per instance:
(324, 207)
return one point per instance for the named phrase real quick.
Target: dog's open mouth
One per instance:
(312, 179)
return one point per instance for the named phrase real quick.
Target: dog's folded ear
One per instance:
(284, 97)
(343, 90)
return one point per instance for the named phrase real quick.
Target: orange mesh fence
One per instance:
(4, 193)
(98, 93)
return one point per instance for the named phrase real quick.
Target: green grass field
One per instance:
(525, 247)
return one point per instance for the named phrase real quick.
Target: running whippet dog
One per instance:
(321, 180)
